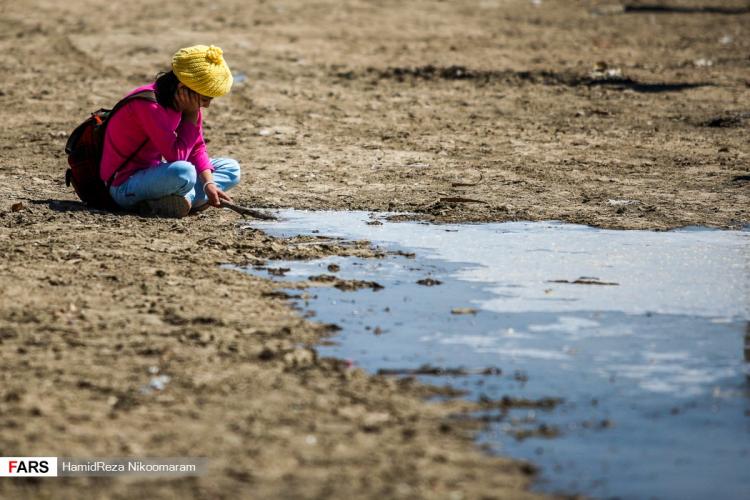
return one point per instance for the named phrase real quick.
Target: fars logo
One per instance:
(28, 466)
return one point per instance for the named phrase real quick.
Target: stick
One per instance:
(256, 214)
(460, 199)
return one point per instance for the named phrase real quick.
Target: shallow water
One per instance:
(650, 367)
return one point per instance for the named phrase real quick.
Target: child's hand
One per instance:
(188, 102)
(215, 195)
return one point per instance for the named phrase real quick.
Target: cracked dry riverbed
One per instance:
(122, 336)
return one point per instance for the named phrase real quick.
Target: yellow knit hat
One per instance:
(203, 69)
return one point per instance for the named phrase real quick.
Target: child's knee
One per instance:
(184, 175)
(231, 169)
(234, 172)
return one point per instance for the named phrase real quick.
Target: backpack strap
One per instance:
(148, 95)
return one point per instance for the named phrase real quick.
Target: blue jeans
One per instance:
(178, 178)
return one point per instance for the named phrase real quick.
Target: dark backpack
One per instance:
(84, 149)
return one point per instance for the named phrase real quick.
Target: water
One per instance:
(651, 368)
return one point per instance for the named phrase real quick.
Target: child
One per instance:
(170, 172)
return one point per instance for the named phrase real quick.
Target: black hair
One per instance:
(166, 86)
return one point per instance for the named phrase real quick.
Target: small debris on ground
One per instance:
(543, 431)
(508, 402)
(464, 310)
(428, 369)
(352, 285)
(323, 278)
(585, 280)
(602, 70)
(621, 203)
(157, 383)
(345, 285)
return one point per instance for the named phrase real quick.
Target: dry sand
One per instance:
(348, 105)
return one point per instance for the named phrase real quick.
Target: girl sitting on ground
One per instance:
(170, 173)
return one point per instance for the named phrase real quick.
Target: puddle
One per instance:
(641, 334)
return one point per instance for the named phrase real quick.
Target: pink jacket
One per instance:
(169, 137)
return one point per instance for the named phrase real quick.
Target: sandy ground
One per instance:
(616, 115)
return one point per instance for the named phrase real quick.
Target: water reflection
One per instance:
(655, 396)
